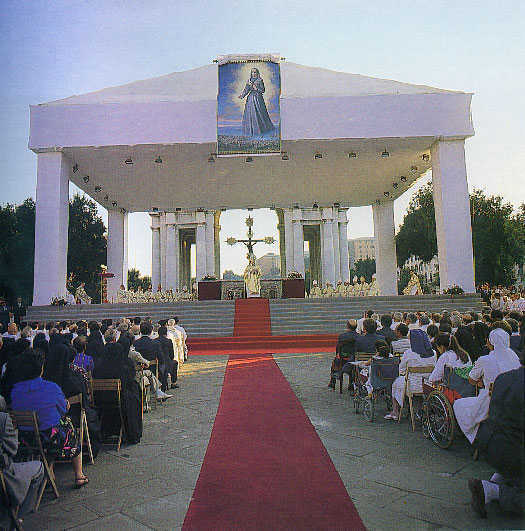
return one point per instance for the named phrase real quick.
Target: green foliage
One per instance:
(364, 268)
(86, 247)
(498, 234)
(135, 281)
(230, 275)
(404, 277)
(17, 246)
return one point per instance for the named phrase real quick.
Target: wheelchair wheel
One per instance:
(369, 409)
(439, 419)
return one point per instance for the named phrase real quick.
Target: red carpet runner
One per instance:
(252, 318)
(265, 466)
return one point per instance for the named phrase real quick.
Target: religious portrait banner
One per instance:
(248, 108)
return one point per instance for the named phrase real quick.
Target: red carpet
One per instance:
(265, 466)
(252, 318)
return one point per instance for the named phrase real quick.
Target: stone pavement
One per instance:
(396, 478)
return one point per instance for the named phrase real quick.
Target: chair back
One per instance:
(103, 389)
(363, 356)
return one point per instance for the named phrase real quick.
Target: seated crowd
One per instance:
(42, 365)
(486, 350)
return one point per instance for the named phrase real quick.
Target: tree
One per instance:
(364, 268)
(498, 234)
(230, 275)
(135, 281)
(87, 245)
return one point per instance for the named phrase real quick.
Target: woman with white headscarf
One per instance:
(473, 410)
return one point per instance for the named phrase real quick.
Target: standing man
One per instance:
(166, 344)
(184, 337)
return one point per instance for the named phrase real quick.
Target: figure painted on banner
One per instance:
(255, 120)
(252, 277)
(81, 296)
(315, 292)
(413, 287)
(373, 289)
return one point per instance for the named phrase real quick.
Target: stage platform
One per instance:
(205, 320)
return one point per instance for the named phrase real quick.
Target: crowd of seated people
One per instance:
(42, 365)
(488, 350)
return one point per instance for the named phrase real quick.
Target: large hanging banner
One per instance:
(248, 105)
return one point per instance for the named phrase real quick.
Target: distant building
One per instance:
(270, 265)
(361, 249)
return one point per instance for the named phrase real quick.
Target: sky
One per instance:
(52, 49)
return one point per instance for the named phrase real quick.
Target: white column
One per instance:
(200, 243)
(117, 254)
(163, 242)
(210, 243)
(176, 259)
(171, 262)
(335, 239)
(385, 247)
(343, 248)
(327, 247)
(298, 245)
(288, 239)
(51, 227)
(452, 210)
(155, 256)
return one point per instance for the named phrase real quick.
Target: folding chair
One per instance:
(29, 419)
(83, 425)
(427, 369)
(12, 510)
(101, 390)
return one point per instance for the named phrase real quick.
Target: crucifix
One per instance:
(250, 242)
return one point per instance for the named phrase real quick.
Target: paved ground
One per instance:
(397, 479)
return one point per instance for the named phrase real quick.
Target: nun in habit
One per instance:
(473, 410)
(255, 120)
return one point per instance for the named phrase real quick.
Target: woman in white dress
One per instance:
(450, 354)
(420, 354)
(473, 410)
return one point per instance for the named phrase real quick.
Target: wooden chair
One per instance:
(29, 419)
(154, 367)
(427, 369)
(5, 499)
(83, 425)
(108, 387)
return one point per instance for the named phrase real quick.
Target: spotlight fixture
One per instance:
(413, 168)
(403, 178)
(128, 161)
(122, 210)
(154, 209)
(75, 168)
(352, 155)
(211, 158)
(386, 194)
(98, 188)
(223, 209)
(284, 156)
(250, 209)
(86, 178)
(315, 206)
(425, 157)
(385, 154)
(114, 203)
(318, 156)
(248, 159)
(158, 160)
(106, 198)
(395, 185)
(337, 205)
(178, 209)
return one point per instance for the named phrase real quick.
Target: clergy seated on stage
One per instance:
(316, 292)
(340, 290)
(328, 291)
(500, 439)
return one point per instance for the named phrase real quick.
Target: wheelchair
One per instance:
(438, 419)
(382, 373)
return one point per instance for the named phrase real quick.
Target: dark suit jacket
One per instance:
(367, 343)
(388, 334)
(166, 345)
(343, 338)
(149, 348)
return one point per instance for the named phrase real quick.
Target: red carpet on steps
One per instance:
(265, 466)
(252, 317)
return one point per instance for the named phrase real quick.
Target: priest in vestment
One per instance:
(252, 278)
(315, 292)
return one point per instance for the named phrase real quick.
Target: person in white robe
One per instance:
(420, 354)
(471, 411)
(177, 338)
(450, 354)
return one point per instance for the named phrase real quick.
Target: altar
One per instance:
(281, 288)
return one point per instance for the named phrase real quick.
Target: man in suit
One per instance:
(151, 350)
(344, 350)
(386, 330)
(367, 342)
(166, 345)
(500, 439)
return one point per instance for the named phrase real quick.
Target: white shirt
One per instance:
(449, 358)
(400, 345)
